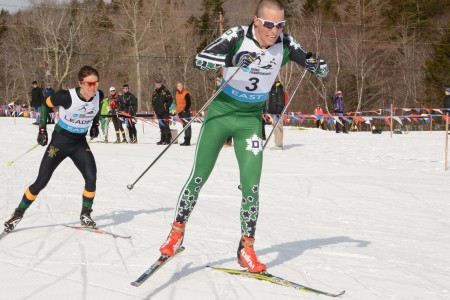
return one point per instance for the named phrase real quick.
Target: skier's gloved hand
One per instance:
(241, 59)
(93, 133)
(316, 65)
(42, 137)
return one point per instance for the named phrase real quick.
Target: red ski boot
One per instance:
(247, 256)
(174, 240)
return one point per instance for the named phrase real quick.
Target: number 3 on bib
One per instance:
(254, 84)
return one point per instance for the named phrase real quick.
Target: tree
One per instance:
(437, 68)
(205, 30)
(133, 28)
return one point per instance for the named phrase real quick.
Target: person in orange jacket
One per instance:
(318, 112)
(183, 107)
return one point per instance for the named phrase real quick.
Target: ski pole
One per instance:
(285, 107)
(282, 112)
(130, 186)
(9, 163)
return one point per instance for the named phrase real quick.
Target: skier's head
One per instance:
(88, 81)
(268, 22)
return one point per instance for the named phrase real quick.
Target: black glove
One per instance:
(311, 62)
(42, 137)
(242, 59)
(93, 133)
(316, 65)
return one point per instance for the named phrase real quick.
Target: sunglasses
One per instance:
(270, 24)
(90, 84)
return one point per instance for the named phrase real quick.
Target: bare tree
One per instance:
(361, 49)
(133, 26)
(62, 33)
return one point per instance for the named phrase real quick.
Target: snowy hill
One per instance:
(360, 212)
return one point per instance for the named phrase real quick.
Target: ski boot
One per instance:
(247, 257)
(174, 240)
(15, 219)
(86, 219)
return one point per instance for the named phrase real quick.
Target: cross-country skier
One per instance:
(78, 110)
(260, 50)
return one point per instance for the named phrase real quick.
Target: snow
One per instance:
(361, 212)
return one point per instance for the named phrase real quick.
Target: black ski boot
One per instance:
(86, 219)
(15, 219)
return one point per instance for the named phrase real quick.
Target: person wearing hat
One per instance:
(447, 99)
(161, 101)
(116, 106)
(275, 105)
(318, 112)
(339, 109)
(130, 108)
(37, 97)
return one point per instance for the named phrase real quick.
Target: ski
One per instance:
(276, 280)
(4, 233)
(162, 260)
(99, 231)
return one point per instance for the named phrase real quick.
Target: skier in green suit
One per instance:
(259, 51)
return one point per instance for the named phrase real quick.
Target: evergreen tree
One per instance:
(206, 26)
(437, 69)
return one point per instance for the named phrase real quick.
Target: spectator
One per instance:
(277, 101)
(447, 99)
(183, 106)
(339, 110)
(162, 100)
(37, 98)
(48, 92)
(130, 107)
(104, 119)
(116, 106)
(318, 112)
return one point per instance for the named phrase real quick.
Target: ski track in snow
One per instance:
(360, 212)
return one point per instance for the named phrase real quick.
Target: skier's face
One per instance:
(268, 26)
(88, 87)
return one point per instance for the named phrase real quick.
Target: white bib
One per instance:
(253, 83)
(78, 117)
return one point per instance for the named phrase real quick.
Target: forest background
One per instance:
(380, 52)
